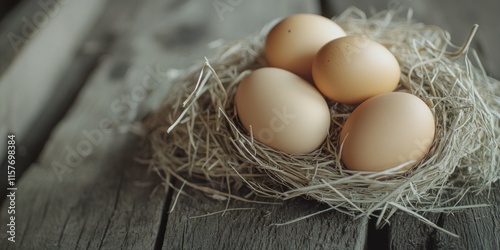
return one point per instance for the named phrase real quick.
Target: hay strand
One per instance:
(195, 135)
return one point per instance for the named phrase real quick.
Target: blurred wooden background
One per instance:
(68, 68)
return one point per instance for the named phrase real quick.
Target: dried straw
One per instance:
(195, 134)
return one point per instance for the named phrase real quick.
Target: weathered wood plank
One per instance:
(104, 199)
(6, 6)
(12, 23)
(37, 32)
(407, 232)
(251, 229)
(55, 104)
(478, 228)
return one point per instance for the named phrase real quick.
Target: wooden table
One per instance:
(81, 187)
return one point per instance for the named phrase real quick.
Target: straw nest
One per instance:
(195, 136)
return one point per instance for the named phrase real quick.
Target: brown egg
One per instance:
(386, 131)
(294, 41)
(282, 110)
(352, 69)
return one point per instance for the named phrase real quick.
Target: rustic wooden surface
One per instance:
(29, 37)
(54, 105)
(479, 228)
(6, 6)
(107, 200)
(103, 200)
(254, 229)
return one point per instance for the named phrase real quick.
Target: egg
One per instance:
(282, 110)
(352, 69)
(293, 42)
(386, 131)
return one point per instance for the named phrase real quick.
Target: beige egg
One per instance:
(352, 69)
(294, 41)
(386, 131)
(282, 110)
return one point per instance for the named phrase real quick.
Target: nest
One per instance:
(195, 135)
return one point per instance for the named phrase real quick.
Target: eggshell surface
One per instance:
(352, 69)
(386, 131)
(293, 42)
(282, 110)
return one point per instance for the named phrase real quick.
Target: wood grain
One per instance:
(12, 23)
(6, 6)
(254, 229)
(55, 104)
(104, 199)
(407, 232)
(478, 228)
(31, 37)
